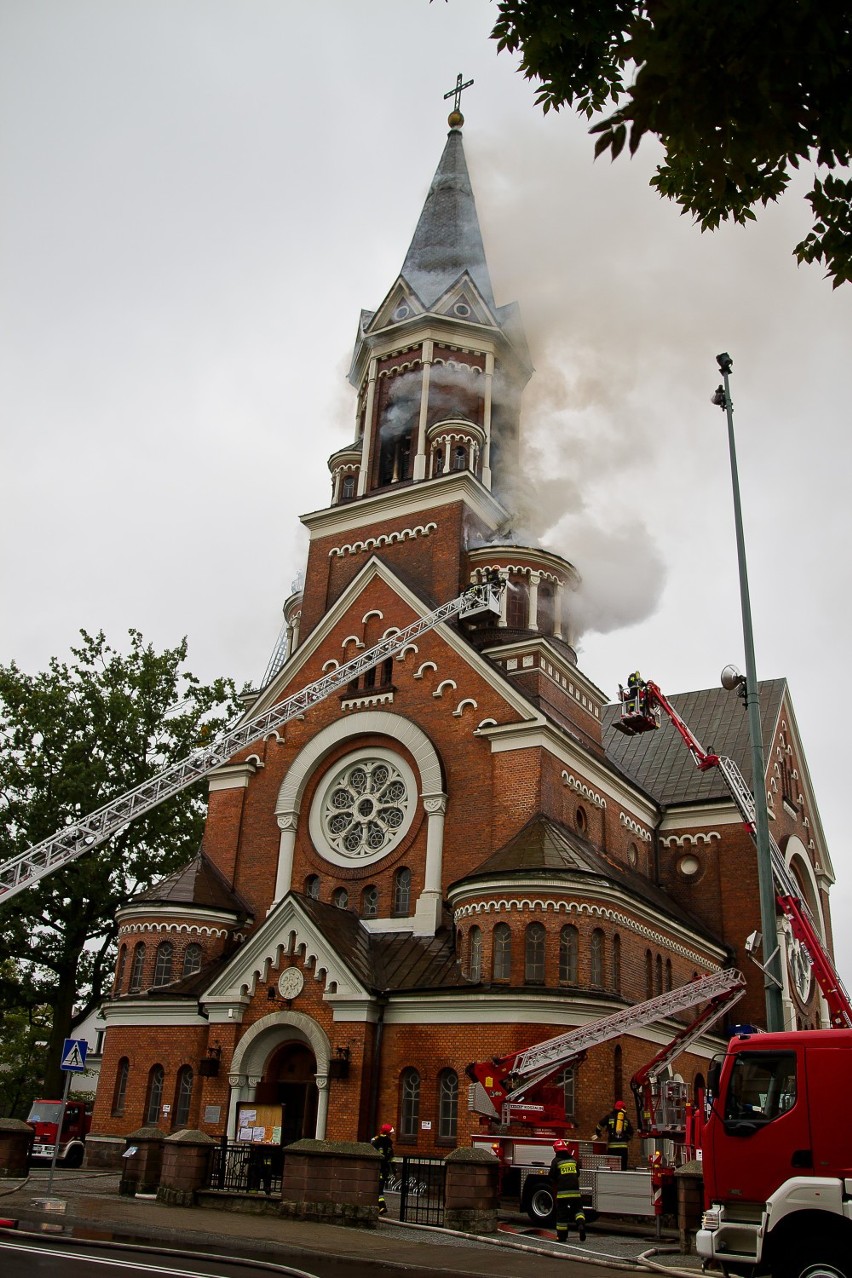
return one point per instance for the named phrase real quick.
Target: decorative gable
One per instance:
(401, 304)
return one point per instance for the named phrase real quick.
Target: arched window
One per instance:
(649, 974)
(119, 970)
(568, 951)
(534, 940)
(154, 1097)
(438, 463)
(448, 1104)
(658, 974)
(475, 952)
(460, 458)
(567, 1080)
(409, 1104)
(347, 488)
(501, 962)
(312, 886)
(616, 963)
(119, 1093)
(163, 963)
(546, 609)
(596, 958)
(183, 1097)
(402, 891)
(668, 975)
(192, 959)
(340, 898)
(617, 1074)
(138, 968)
(517, 604)
(387, 672)
(370, 902)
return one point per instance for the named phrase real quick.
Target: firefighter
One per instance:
(565, 1177)
(383, 1143)
(617, 1128)
(635, 688)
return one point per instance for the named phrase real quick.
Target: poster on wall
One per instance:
(259, 1124)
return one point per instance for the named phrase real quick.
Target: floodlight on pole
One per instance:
(766, 885)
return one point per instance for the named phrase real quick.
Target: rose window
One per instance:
(366, 807)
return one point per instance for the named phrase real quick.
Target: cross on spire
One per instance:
(456, 94)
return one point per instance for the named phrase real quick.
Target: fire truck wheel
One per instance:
(814, 1259)
(74, 1157)
(541, 1207)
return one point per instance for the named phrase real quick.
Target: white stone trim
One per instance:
(690, 840)
(233, 776)
(634, 827)
(191, 929)
(462, 706)
(581, 788)
(384, 539)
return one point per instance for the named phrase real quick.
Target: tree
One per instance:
(71, 739)
(739, 94)
(24, 1029)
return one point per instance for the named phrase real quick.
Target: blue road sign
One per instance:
(74, 1055)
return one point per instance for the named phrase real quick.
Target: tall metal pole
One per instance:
(768, 923)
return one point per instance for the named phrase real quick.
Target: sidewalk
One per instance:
(92, 1204)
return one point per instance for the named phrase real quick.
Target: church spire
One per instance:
(448, 240)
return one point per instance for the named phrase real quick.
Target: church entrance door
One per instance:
(289, 1080)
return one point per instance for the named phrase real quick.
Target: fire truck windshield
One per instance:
(45, 1112)
(762, 1086)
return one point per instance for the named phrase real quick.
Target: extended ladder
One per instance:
(28, 867)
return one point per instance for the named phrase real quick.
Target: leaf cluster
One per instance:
(739, 94)
(72, 738)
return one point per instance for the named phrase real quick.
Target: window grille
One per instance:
(568, 951)
(534, 953)
(137, 969)
(163, 964)
(501, 966)
(155, 1095)
(448, 1104)
(191, 960)
(409, 1106)
(183, 1096)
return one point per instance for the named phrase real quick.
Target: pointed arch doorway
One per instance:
(289, 1080)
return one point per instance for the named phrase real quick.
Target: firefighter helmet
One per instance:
(386, 1129)
(560, 1147)
(619, 1105)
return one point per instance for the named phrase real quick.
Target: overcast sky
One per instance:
(199, 196)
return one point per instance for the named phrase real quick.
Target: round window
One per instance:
(402, 312)
(689, 865)
(462, 310)
(363, 808)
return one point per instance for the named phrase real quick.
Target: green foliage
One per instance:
(24, 1031)
(71, 739)
(739, 94)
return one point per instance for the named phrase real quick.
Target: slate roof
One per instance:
(545, 848)
(660, 763)
(447, 240)
(196, 883)
(389, 962)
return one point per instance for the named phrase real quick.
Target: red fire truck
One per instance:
(44, 1118)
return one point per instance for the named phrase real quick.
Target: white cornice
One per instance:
(152, 1013)
(700, 816)
(427, 495)
(556, 658)
(153, 909)
(234, 776)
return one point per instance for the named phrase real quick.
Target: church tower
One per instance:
(451, 858)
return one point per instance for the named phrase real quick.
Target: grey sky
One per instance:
(198, 199)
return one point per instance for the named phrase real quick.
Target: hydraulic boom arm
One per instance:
(25, 869)
(640, 712)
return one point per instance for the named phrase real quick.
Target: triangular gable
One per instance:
(463, 301)
(400, 304)
(378, 569)
(287, 930)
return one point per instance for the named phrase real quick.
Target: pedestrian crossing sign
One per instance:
(74, 1055)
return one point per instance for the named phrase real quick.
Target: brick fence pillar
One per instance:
(689, 1180)
(470, 1193)
(186, 1163)
(142, 1162)
(332, 1181)
(16, 1139)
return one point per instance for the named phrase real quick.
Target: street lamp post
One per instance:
(771, 969)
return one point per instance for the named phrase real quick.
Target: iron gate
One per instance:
(244, 1168)
(420, 1185)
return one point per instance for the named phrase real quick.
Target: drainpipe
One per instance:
(377, 1066)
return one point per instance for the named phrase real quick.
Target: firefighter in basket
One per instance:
(565, 1178)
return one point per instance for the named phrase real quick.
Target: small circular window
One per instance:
(402, 312)
(363, 808)
(462, 310)
(633, 855)
(689, 866)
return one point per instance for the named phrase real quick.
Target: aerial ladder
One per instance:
(519, 1087)
(27, 868)
(642, 707)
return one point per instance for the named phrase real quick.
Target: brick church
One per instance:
(455, 856)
